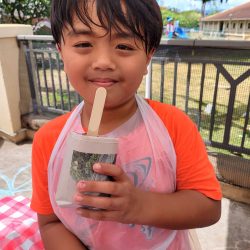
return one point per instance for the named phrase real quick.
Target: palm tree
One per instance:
(203, 7)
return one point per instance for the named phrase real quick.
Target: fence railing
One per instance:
(209, 80)
(50, 89)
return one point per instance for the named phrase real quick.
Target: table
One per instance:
(18, 225)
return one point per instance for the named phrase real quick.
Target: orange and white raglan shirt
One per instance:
(193, 169)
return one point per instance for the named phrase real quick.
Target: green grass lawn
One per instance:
(240, 105)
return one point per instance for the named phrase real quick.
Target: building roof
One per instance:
(240, 12)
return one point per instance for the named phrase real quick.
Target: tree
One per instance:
(187, 19)
(203, 6)
(24, 11)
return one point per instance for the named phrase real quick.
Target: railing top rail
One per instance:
(35, 38)
(226, 44)
(230, 44)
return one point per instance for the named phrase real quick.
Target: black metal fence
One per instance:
(49, 85)
(209, 80)
(211, 84)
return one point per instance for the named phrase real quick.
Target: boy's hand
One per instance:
(125, 203)
(129, 205)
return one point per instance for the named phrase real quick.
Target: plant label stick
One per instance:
(97, 110)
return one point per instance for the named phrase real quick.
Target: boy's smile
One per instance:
(103, 82)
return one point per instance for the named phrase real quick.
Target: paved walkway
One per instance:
(232, 232)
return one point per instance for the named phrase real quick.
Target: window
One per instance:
(248, 26)
(241, 25)
(234, 25)
(227, 25)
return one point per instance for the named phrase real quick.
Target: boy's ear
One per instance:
(59, 49)
(149, 57)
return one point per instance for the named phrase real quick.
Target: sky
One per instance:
(196, 4)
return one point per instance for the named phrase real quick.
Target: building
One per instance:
(231, 24)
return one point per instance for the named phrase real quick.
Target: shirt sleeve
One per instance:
(43, 144)
(40, 201)
(193, 170)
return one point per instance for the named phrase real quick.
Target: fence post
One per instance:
(30, 60)
(148, 87)
(10, 120)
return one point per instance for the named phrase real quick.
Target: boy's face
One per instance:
(95, 59)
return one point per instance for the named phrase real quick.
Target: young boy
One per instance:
(163, 181)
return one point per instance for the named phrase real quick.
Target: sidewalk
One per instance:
(232, 232)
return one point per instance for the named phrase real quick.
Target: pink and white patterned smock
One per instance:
(147, 156)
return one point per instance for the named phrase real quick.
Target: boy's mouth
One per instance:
(103, 82)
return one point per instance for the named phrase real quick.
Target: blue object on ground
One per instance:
(181, 33)
(178, 33)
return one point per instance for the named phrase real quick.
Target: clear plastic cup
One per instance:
(82, 152)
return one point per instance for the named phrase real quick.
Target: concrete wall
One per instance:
(12, 74)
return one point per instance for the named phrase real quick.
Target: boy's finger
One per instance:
(111, 170)
(101, 215)
(105, 187)
(100, 202)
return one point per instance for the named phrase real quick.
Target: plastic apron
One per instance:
(148, 157)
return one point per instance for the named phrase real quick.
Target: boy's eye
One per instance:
(124, 47)
(83, 45)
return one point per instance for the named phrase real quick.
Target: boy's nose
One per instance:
(103, 61)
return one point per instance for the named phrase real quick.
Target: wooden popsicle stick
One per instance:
(96, 113)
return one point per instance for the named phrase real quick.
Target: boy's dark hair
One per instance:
(141, 17)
